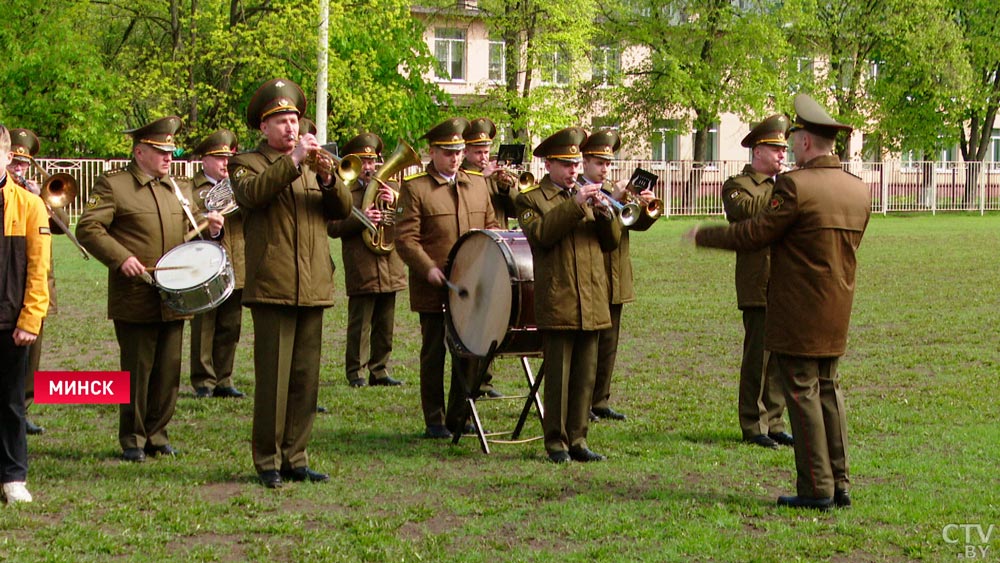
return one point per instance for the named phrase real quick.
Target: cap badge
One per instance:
(279, 84)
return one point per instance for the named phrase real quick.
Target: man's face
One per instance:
(152, 161)
(769, 159)
(18, 167)
(563, 173)
(596, 169)
(281, 131)
(478, 155)
(446, 161)
(368, 166)
(215, 166)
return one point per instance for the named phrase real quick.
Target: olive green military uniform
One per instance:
(481, 131)
(371, 281)
(571, 296)
(215, 334)
(814, 224)
(130, 213)
(289, 282)
(434, 213)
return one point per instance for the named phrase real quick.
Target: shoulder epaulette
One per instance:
(414, 176)
(115, 172)
(473, 173)
(530, 188)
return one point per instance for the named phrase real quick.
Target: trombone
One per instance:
(58, 191)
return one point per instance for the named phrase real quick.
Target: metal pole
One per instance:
(322, 50)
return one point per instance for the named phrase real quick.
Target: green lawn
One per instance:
(920, 378)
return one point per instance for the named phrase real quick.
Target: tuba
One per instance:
(382, 238)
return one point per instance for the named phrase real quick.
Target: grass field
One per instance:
(920, 378)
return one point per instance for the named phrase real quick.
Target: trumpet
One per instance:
(525, 180)
(627, 213)
(58, 190)
(347, 169)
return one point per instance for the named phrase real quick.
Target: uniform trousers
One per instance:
(13, 439)
(371, 319)
(432, 356)
(761, 400)
(34, 360)
(819, 423)
(607, 354)
(570, 370)
(287, 344)
(151, 353)
(215, 335)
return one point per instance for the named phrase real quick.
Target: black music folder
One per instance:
(642, 180)
(510, 155)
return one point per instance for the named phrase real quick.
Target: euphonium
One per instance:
(382, 239)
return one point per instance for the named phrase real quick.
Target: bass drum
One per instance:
(194, 277)
(496, 269)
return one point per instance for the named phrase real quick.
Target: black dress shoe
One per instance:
(133, 455)
(592, 417)
(608, 413)
(228, 392)
(437, 431)
(806, 502)
(585, 455)
(165, 449)
(783, 438)
(762, 441)
(384, 382)
(202, 392)
(494, 394)
(271, 479)
(32, 428)
(841, 499)
(559, 457)
(358, 382)
(300, 474)
(321, 409)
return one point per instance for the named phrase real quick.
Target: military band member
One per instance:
(814, 223)
(761, 400)
(215, 334)
(568, 235)
(24, 146)
(371, 280)
(598, 154)
(133, 217)
(289, 275)
(436, 207)
(24, 251)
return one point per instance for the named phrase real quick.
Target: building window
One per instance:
(607, 67)
(947, 157)
(555, 68)
(449, 49)
(711, 143)
(665, 140)
(498, 62)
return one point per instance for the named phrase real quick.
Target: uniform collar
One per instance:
(140, 176)
(757, 177)
(269, 152)
(550, 189)
(460, 177)
(824, 161)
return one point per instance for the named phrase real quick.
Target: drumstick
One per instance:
(461, 291)
(166, 268)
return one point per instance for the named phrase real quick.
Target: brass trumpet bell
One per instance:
(382, 239)
(59, 190)
(525, 181)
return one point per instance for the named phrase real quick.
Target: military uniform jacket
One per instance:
(814, 223)
(130, 213)
(233, 241)
(567, 247)
(25, 254)
(743, 196)
(432, 217)
(364, 271)
(284, 218)
(619, 262)
(502, 199)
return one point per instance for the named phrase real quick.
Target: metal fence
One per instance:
(694, 188)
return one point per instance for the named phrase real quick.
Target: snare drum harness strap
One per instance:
(185, 204)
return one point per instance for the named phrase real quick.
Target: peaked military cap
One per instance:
(275, 96)
(809, 115)
(158, 134)
(448, 134)
(480, 132)
(24, 144)
(219, 143)
(307, 125)
(365, 145)
(563, 145)
(771, 131)
(602, 144)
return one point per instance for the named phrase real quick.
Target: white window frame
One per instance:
(502, 46)
(449, 44)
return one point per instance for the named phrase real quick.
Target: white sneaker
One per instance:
(15, 491)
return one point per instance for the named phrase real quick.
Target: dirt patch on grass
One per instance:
(216, 492)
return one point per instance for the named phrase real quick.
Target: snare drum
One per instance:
(194, 277)
(496, 268)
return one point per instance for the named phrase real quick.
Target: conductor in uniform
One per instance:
(569, 229)
(436, 207)
(133, 217)
(286, 203)
(813, 223)
(215, 334)
(761, 401)
(371, 280)
(598, 153)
